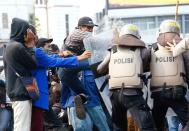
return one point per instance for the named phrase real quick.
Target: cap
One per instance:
(86, 21)
(41, 42)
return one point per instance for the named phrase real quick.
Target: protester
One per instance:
(94, 112)
(54, 49)
(19, 57)
(6, 119)
(45, 61)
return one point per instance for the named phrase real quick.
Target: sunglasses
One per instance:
(89, 27)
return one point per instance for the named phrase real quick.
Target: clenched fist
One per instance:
(85, 55)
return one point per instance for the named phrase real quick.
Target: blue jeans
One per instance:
(94, 115)
(78, 124)
(173, 123)
(5, 119)
(70, 77)
(98, 117)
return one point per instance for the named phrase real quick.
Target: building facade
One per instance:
(147, 15)
(57, 18)
(10, 9)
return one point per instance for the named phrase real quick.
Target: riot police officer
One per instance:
(127, 63)
(169, 76)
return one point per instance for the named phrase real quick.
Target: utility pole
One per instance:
(176, 14)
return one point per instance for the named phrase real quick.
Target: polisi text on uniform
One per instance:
(165, 59)
(123, 60)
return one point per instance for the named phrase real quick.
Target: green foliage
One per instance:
(33, 20)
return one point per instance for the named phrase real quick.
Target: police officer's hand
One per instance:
(115, 35)
(85, 55)
(171, 46)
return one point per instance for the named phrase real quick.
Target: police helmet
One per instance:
(169, 26)
(130, 29)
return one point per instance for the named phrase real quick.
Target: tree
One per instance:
(33, 20)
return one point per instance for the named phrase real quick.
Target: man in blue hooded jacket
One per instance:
(45, 61)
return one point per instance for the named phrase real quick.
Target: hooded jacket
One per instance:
(45, 61)
(18, 58)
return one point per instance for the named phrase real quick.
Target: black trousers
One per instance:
(138, 108)
(165, 99)
(51, 119)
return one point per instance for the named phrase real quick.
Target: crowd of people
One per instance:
(68, 95)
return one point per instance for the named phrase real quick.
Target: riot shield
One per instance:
(99, 45)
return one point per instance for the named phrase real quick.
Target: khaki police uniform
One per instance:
(168, 77)
(166, 70)
(126, 68)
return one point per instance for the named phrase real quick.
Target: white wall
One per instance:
(57, 23)
(57, 9)
(40, 14)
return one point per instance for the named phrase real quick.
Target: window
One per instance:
(162, 18)
(187, 23)
(5, 20)
(144, 23)
(41, 1)
(67, 24)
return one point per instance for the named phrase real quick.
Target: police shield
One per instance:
(99, 45)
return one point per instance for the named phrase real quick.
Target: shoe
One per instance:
(80, 109)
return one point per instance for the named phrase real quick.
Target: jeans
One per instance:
(98, 117)
(70, 77)
(6, 119)
(94, 115)
(78, 124)
(137, 107)
(173, 123)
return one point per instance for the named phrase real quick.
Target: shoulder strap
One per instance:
(114, 48)
(154, 47)
(13, 69)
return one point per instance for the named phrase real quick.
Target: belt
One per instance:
(160, 88)
(8, 105)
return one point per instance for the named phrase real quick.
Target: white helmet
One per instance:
(169, 26)
(130, 29)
